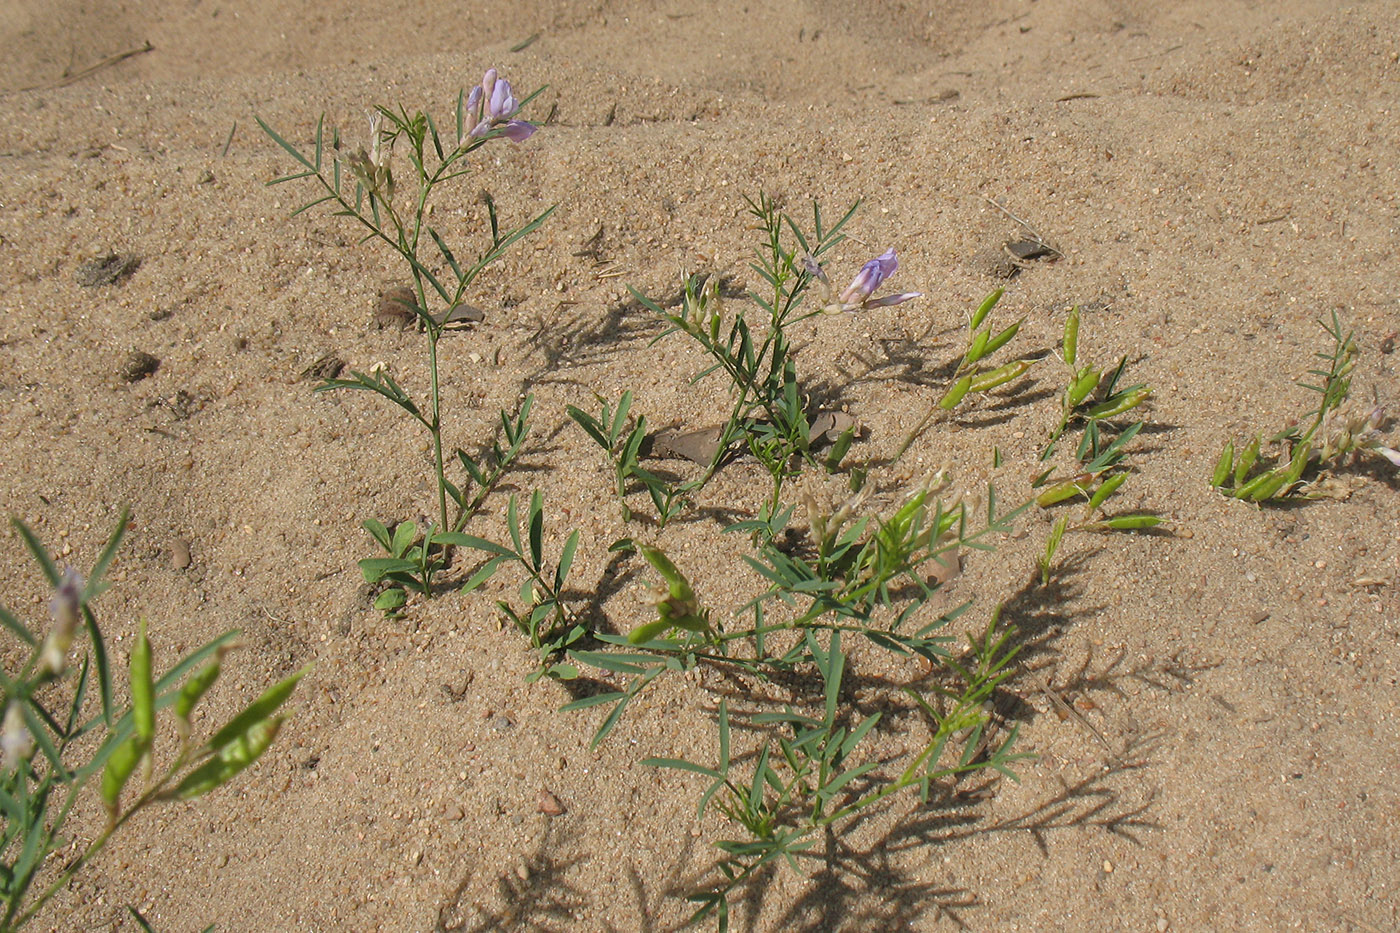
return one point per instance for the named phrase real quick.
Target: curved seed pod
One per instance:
(1059, 493)
(1001, 375)
(1107, 488)
(1275, 482)
(1001, 339)
(1120, 403)
(1224, 465)
(1085, 382)
(143, 708)
(985, 308)
(1132, 522)
(1300, 463)
(256, 712)
(191, 693)
(238, 754)
(978, 348)
(119, 769)
(1248, 457)
(955, 395)
(1071, 341)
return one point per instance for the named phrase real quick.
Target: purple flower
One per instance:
(500, 105)
(856, 297)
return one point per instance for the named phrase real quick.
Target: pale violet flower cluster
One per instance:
(857, 295)
(493, 102)
(372, 168)
(66, 606)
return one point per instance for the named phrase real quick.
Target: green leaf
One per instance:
(39, 552)
(596, 700)
(536, 530)
(20, 630)
(680, 764)
(391, 599)
(379, 533)
(566, 561)
(109, 554)
(375, 569)
(485, 573)
(291, 150)
(404, 535)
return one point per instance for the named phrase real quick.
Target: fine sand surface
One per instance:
(1219, 176)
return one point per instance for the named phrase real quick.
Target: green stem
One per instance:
(436, 427)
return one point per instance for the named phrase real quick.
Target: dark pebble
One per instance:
(137, 366)
(104, 270)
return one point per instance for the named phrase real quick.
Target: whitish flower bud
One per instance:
(66, 607)
(16, 744)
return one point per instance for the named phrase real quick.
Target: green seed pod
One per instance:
(955, 395)
(143, 708)
(1132, 522)
(1125, 401)
(985, 308)
(1248, 457)
(1223, 465)
(1001, 339)
(1059, 493)
(1085, 382)
(1001, 375)
(1300, 463)
(1107, 488)
(256, 712)
(119, 769)
(1071, 341)
(238, 754)
(978, 348)
(191, 693)
(1247, 490)
(1273, 483)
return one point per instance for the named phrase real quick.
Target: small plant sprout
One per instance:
(394, 208)
(768, 414)
(972, 374)
(545, 620)
(1305, 455)
(622, 445)
(1092, 396)
(44, 730)
(1092, 399)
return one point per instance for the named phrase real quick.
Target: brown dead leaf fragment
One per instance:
(697, 446)
(395, 308)
(828, 426)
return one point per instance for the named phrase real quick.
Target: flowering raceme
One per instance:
(872, 275)
(499, 106)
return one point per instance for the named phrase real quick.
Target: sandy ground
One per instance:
(1220, 176)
